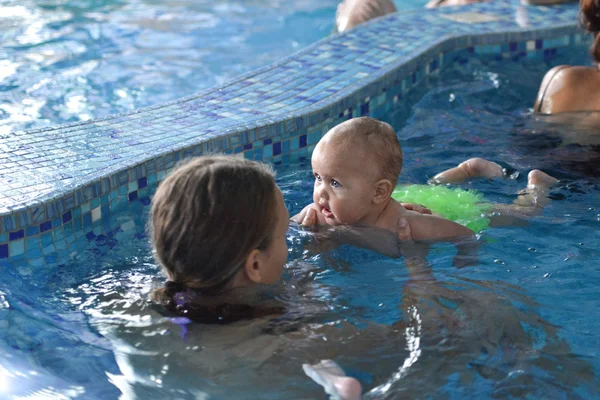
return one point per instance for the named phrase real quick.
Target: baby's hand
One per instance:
(310, 219)
(416, 208)
(307, 218)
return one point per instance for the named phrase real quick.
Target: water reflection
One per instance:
(74, 60)
(483, 335)
(566, 144)
(451, 334)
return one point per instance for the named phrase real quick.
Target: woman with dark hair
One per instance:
(574, 88)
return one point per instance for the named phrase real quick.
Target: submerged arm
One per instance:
(434, 228)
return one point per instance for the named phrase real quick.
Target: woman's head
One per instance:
(590, 19)
(219, 222)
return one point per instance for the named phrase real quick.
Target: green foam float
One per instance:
(466, 207)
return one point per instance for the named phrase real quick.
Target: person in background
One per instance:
(574, 88)
(445, 3)
(354, 12)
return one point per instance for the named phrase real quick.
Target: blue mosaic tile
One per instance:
(3, 251)
(49, 251)
(9, 223)
(33, 243)
(47, 239)
(59, 233)
(45, 226)
(16, 248)
(87, 220)
(16, 235)
(33, 253)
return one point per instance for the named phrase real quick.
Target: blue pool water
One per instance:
(67, 61)
(521, 322)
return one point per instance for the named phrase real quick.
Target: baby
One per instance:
(356, 167)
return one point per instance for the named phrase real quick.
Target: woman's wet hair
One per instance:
(590, 19)
(206, 218)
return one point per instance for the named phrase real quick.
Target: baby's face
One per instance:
(344, 183)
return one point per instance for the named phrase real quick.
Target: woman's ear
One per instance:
(252, 267)
(383, 191)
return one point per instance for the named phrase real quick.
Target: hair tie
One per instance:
(174, 287)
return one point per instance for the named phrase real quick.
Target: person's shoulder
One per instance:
(564, 87)
(573, 72)
(547, 2)
(555, 74)
(569, 74)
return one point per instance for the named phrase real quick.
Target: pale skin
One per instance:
(349, 191)
(538, 182)
(266, 266)
(354, 12)
(569, 88)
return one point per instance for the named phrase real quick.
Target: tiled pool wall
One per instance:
(55, 230)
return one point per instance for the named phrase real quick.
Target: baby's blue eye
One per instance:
(335, 183)
(318, 177)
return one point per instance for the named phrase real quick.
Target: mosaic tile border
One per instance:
(61, 185)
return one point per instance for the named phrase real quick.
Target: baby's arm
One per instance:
(432, 227)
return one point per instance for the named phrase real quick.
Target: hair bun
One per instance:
(174, 287)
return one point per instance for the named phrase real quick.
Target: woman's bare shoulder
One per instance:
(568, 88)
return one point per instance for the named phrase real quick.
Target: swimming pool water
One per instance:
(68, 61)
(521, 322)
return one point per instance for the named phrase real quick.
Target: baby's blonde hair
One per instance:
(379, 141)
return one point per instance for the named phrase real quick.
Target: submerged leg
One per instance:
(472, 168)
(536, 193)
(333, 379)
(529, 203)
